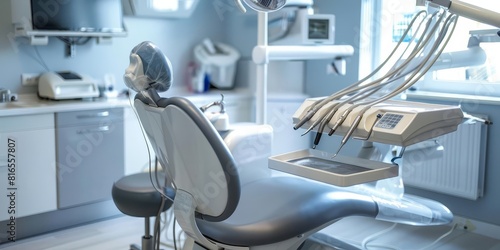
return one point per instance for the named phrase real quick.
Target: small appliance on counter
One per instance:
(216, 64)
(66, 85)
(7, 96)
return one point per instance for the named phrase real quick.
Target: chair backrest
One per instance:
(193, 154)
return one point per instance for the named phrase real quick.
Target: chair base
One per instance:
(147, 244)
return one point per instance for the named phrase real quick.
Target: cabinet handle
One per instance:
(100, 114)
(96, 130)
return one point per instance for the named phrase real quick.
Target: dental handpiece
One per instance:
(317, 105)
(306, 118)
(341, 119)
(354, 125)
(323, 124)
(352, 99)
(324, 119)
(315, 123)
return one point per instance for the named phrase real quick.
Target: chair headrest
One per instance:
(149, 68)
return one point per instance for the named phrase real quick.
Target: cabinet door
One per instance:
(239, 110)
(285, 138)
(90, 155)
(30, 140)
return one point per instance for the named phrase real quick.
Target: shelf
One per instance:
(75, 33)
(40, 37)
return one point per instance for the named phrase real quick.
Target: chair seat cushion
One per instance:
(279, 208)
(134, 195)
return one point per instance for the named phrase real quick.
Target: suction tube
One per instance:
(406, 209)
(413, 210)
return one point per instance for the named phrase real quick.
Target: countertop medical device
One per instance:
(217, 63)
(398, 123)
(66, 85)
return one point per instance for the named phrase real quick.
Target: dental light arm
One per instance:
(469, 11)
(263, 53)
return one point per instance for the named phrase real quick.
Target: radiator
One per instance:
(453, 164)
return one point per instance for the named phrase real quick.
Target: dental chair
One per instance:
(210, 204)
(213, 207)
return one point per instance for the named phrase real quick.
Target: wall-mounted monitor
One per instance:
(91, 18)
(308, 29)
(318, 29)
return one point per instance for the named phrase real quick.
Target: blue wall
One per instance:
(176, 37)
(347, 29)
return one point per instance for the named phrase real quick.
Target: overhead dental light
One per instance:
(261, 5)
(263, 53)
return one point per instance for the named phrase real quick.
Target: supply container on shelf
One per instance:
(216, 63)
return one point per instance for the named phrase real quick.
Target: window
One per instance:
(162, 5)
(389, 20)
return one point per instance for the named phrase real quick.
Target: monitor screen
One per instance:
(78, 15)
(69, 76)
(319, 28)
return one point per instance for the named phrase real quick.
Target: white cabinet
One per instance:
(280, 110)
(30, 141)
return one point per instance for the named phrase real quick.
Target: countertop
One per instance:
(31, 104)
(28, 104)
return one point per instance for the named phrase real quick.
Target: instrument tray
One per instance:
(339, 171)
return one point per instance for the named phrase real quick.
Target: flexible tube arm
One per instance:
(359, 84)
